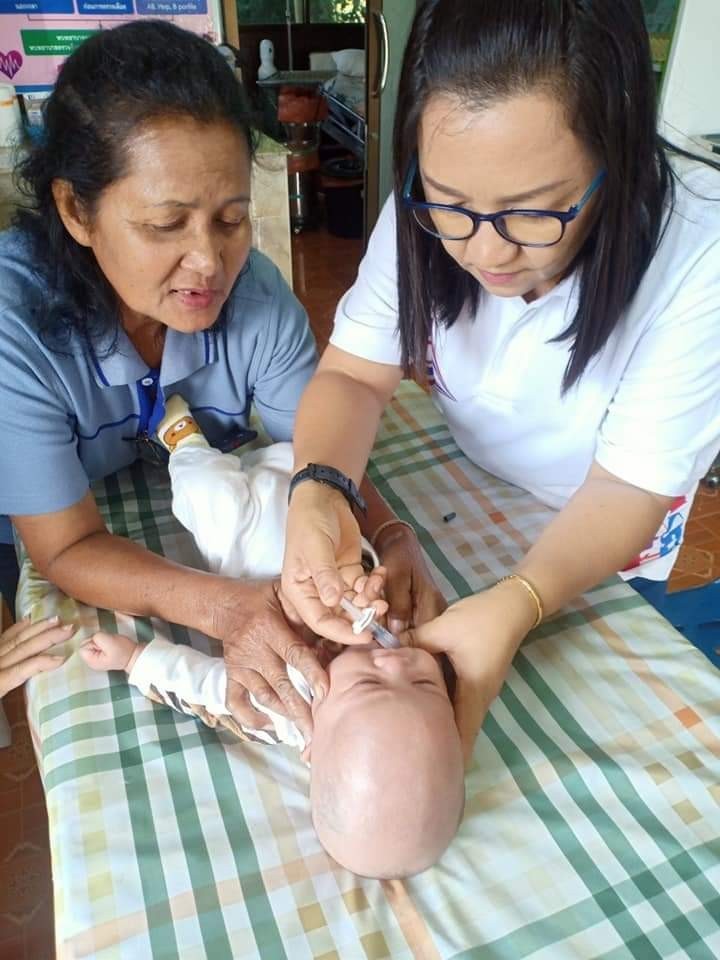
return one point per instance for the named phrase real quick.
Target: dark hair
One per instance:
(594, 56)
(114, 83)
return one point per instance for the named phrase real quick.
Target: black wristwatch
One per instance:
(321, 473)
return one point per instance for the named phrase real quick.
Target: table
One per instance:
(592, 826)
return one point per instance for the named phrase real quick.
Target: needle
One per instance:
(365, 620)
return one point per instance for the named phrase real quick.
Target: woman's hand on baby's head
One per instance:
(108, 651)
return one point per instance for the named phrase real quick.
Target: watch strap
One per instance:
(331, 477)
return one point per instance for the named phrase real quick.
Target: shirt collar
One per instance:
(116, 362)
(517, 309)
(184, 353)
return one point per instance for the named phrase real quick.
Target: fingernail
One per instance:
(68, 626)
(319, 694)
(55, 619)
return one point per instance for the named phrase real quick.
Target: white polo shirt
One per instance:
(648, 406)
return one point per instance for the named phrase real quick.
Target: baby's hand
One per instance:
(109, 651)
(23, 650)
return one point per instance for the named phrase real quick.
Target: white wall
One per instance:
(690, 100)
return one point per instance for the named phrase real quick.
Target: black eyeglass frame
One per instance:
(563, 216)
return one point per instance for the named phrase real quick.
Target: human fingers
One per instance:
(16, 675)
(94, 656)
(370, 586)
(292, 705)
(24, 630)
(317, 563)
(400, 604)
(36, 642)
(111, 651)
(338, 628)
(8, 637)
(237, 700)
(298, 654)
(329, 624)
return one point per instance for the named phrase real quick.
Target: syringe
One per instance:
(364, 619)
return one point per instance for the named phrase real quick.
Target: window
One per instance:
(262, 12)
(337, 11)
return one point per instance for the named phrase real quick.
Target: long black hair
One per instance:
(114, 83)
(594, 56)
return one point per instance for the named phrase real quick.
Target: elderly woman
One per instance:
(133, 278)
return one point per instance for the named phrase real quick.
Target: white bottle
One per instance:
(267, 66)
(10, 125)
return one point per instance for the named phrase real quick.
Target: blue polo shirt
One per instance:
(75, 412)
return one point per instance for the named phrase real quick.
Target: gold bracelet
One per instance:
(533, 593)
(389, 523)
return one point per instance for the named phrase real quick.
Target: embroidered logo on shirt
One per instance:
(668, 538)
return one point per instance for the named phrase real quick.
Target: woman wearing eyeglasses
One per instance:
(559, 271)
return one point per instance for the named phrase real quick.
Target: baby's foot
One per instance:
(178, 426)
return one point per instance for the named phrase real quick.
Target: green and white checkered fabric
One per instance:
(592, 826)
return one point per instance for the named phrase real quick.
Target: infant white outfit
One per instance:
(195, 684)
(235, 506)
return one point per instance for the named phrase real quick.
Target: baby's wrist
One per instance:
(133, 658)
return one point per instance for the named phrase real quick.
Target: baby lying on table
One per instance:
(386, 767)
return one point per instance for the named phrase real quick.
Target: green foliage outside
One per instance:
(321, 11)
(337, 11)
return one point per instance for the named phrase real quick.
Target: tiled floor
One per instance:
(324, 268)
(699, 560)
(26, 915)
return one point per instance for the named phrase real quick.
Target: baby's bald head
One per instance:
(387, 786)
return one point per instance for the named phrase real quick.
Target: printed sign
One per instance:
(36, 36)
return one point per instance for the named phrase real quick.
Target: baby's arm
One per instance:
(173, 674)
(183, 677)
(187, 681)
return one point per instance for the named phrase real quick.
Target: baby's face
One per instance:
(367, 676)
(386, 762)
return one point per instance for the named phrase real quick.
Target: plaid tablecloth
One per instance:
(592, 826)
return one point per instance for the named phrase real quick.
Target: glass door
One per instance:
(387, 29)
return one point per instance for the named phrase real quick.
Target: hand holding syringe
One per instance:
(364, 619)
